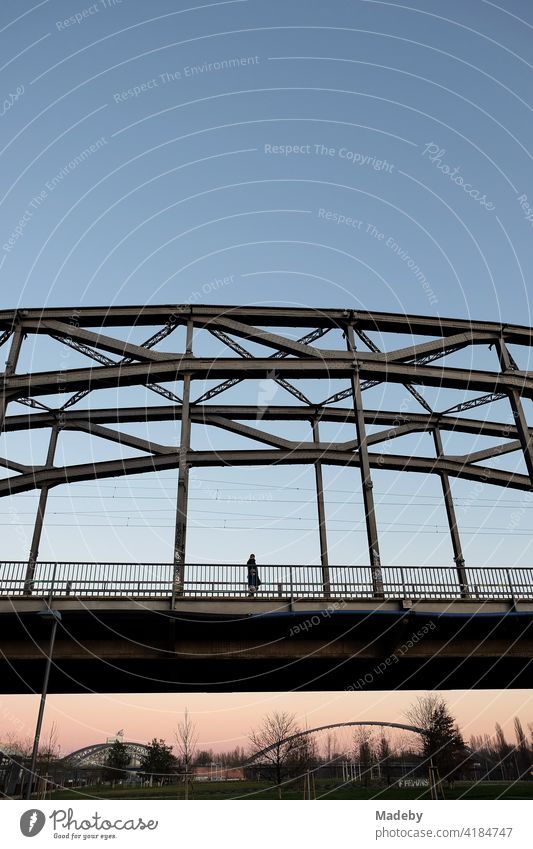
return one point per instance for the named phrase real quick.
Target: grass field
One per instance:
(324, 790)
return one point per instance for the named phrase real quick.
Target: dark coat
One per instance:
(253, 575)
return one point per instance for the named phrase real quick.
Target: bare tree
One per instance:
(19, 745)
(186, 745)
(384, 754)
(363, 751)
(50, 749)
(272, 736)
(18, 749)
(330, 745)
(505, 751)
(522, 756)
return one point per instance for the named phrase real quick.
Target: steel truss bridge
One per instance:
(96, 755)
(286, 346)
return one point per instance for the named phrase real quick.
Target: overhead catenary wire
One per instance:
(262, 501)
(254, 485)
(504, 504)
(440, 529)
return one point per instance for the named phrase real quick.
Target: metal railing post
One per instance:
(402, 575)
(510, 582)
(291, 585)
(51, 593)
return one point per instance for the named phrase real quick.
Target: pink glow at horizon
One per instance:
(223, 720)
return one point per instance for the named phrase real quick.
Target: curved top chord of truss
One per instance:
(96, 754)
(290, 345)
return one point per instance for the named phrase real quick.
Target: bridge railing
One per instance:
(206, 580)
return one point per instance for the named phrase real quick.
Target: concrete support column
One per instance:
(321, 517)
(366, 477)
(183, 479)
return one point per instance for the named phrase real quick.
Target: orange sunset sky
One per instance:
(223, 720)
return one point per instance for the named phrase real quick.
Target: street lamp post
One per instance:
(55, 615)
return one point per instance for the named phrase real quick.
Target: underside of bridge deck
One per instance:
(143, 647)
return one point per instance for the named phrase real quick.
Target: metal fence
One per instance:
(207, 580)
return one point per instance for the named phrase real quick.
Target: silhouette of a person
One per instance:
(254, 580)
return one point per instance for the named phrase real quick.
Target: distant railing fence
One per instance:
(206, 580)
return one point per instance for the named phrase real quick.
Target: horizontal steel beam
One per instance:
(298, 456)
(202, 414)
(338, 368)
(137, 315)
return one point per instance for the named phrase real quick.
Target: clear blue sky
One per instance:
(167, 153)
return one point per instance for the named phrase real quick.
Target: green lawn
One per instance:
(326, 789)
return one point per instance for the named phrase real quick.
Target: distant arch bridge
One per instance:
(308, 731)
(96, 754)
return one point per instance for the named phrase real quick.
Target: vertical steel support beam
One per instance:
(326, 585)
(11, 365)
(518, 411)
(183, 478)
(39, 519)
(366, 477)
(452, 520)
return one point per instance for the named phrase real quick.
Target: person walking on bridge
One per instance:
(254, 580)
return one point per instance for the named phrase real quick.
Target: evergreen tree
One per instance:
(117, 760)
(158, 760)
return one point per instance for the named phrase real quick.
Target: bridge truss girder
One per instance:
(290, 359)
